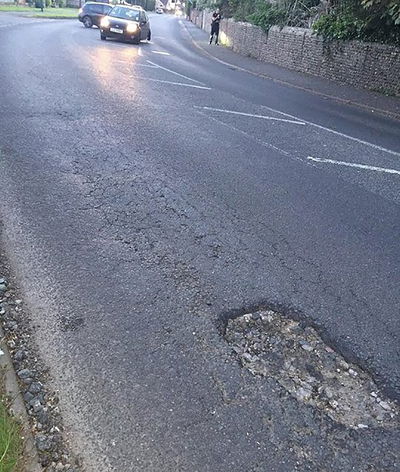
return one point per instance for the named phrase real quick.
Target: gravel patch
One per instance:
(41, 403)
(269, 344)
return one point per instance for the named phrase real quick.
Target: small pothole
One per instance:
(269, 344)
(71, 323)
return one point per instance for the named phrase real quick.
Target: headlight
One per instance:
(104, 23)
(80, 10)
(132, 28)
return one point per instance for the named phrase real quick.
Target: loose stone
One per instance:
(24, 373)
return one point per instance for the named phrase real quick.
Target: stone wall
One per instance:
(364, 65)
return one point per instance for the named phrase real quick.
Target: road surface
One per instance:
(148, 192)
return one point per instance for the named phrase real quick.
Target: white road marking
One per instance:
(175, 73)
(315, 125)
(140, 52)
(145, 65)
(338, 133)
(251, 115)
(310, 158)
(262, 143)
(177, 83)
(161, 52)
(358, 166)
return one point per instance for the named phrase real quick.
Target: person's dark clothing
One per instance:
(216, 19)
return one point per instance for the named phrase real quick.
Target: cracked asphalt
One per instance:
(144, 200)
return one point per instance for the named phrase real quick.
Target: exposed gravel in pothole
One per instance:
(41, 403)
(269, 344)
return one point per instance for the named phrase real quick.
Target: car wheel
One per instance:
(103, 37)
(149, 36)
(87, 21)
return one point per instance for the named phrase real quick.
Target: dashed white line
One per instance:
(163, 53)
(357, 166)
(145, 65)
(175, 73)
(178, 83)
(263, 117)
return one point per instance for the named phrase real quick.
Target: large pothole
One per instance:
(269, 344)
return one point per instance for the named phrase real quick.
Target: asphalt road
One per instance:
(146, 192)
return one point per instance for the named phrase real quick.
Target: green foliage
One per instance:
(366, 20)
(355, 19)
(339, 26)
(385, 9)
(267, 15)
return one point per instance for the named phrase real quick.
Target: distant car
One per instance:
(126, 23)
(159, 11)
(92, 12)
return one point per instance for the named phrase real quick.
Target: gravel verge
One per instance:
(40, 401)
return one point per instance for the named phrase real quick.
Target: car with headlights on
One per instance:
(126, 23)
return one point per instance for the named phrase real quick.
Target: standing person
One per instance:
(215, 21)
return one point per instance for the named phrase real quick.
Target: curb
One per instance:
(30, 453)
(386, 113)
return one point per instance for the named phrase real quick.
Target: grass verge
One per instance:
(11, 443)
(15, 8)
(57, 13)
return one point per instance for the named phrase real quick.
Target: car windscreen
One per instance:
(125, 13)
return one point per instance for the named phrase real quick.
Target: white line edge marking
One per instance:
(329, 130)
(161, 52)
(252, 116)
(175, 73)
(309, 158)
(249, 136)
(145, 65)
(178, 83)
(140, 52)
(358, 166)
(338, 133)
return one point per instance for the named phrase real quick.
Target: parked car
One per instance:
(159, 11)
(92, 12)
(126, 23)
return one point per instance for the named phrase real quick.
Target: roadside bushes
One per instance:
(366, 20)
(284, 13)
(267, 15)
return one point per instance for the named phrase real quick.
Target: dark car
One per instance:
(126, 23)
(92, 13)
